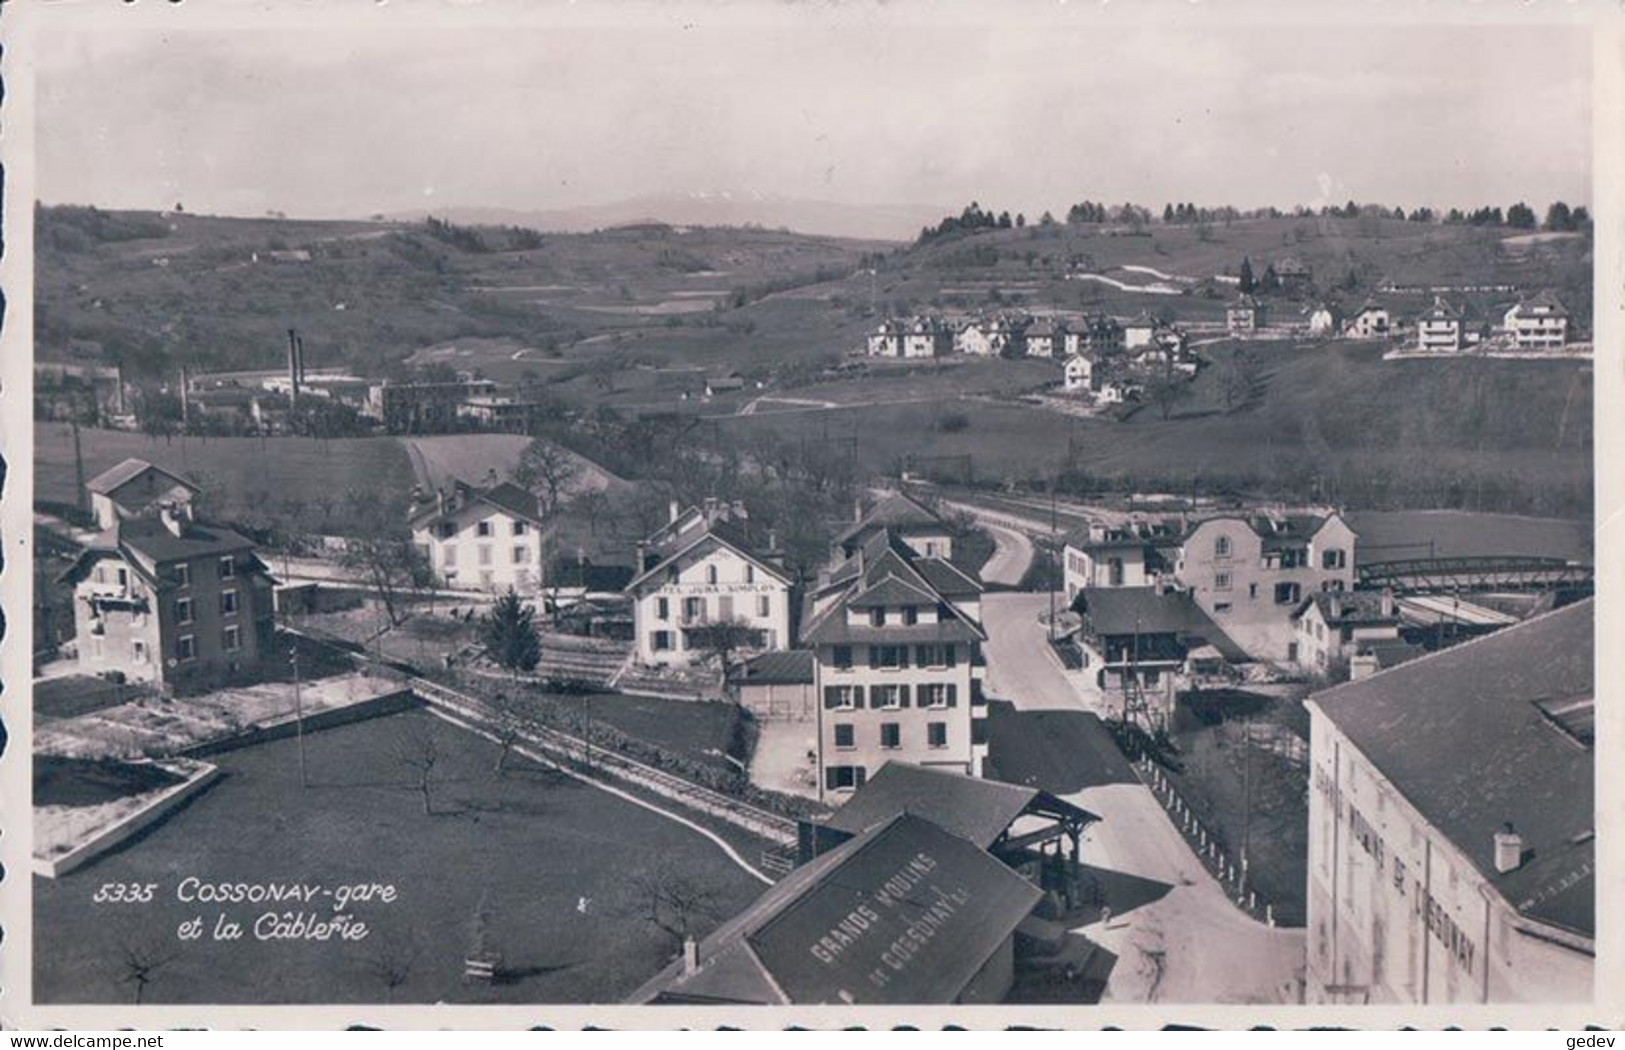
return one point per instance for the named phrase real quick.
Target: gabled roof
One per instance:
(1442, 310)
(947, 578)
(886, 571)
(1144, 611)
(1461, 734)
(114, 477)
(504, 496)
(1544, 300)
(891, 591)
(907, 881)
(894, 510)
(974, 809)
(723, 533)
(1351, 608)
(151, 539)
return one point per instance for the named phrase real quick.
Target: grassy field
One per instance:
(552, 860)
(1451, 534)
(1330, 420)
(235, 471)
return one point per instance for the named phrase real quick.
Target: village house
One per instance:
(1251, 573)
(1045, 337)
(1441, 328)
(897, 640)
(887, 340)
(1104, 335)
(928, 337)
(1348, 633)
(917, 525)
(1452, 820)
(1538, 323)
(1325, 319)
(487, 539)
(1078, 374)
(1245, 314)
(698, 571)
(1138, 330)
(1295, 276)
(135, 489)
(1130, 556)
(1371, 321)
(1137, 640)
(166, 599)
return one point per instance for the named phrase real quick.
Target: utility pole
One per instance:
(299, 716)
(1246, 796)
(1054, 569)
(79, 495)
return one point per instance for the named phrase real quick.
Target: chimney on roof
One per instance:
(1387, 601)
(1508, 849)
(581, 556)
(643, 555)
(675, 510)
(691, 955)
(440, 501)
(857, 508)
(299, 357)
(1362, 665)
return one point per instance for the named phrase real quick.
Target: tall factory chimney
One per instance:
(186, 414)
(299, 346)
(293, 368)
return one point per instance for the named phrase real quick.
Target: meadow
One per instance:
(551, 863)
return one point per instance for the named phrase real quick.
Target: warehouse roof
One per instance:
(904, 913)
(790, 667)
(1502, 699)
(972, 808)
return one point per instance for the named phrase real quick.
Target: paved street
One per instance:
(1189, 945)
(1021, 666)
(1012, 556)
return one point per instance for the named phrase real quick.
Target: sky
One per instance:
(851, 104)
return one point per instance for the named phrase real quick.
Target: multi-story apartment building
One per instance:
(488, 539)
(1246, 314)
(1441, 328)
(1249, 573)
(166, 599)
(133, 489)
(896, 638)
(1538, 323)
(701, 569)
(1452, 819)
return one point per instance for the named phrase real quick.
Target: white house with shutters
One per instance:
(487, 539)
(701, 569)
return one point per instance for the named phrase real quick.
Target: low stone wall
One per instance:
(375, 707)
(127, 827)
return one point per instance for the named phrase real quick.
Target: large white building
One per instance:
(488, 539)
(699, 570)
(1441, 329)
(1452, 818)
(896, 638)
(1538, 323)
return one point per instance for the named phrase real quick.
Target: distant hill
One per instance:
(887, 222)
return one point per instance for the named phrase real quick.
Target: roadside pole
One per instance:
(299, 715)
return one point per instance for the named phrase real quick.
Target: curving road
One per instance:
(1012, 556)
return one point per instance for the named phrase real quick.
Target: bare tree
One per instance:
(674, 902)
(419, 751)
(547, 469)
(723, 639)
(139, 964)
(508, 730)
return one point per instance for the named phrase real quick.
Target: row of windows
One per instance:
(231, 640)
(448, 555)
(228, 606)
(665, 641)
(448, 529)
(1290, 557)
(697, 608)
(891, 735)
(896, 657)
(891, 696)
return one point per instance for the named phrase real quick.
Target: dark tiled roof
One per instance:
(891, 592)
(727, 533)
(905, 882)
(1460, 735)
(1125, 611)
(110, 479)
(148, 536)
(505, 496)
(832, 629)
(947, 578)
(894, 510)
(1351, 608)
(791, 667)
(972, 808)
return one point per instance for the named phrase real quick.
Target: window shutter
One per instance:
(831, 697)
(953, 695)
(874, 657)
(902, 695)
(949, 654)
(857, 696)
(859, 775)
(829, 778)
(902, 656)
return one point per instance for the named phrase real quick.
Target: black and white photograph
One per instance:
(743, 505)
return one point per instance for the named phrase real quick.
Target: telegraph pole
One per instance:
(1055, 569)
(1246, 796)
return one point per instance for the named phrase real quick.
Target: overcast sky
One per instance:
(860, 108)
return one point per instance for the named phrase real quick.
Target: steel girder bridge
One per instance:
(1483, 574)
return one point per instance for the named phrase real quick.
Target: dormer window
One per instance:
(911, 615)
(877, 617)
